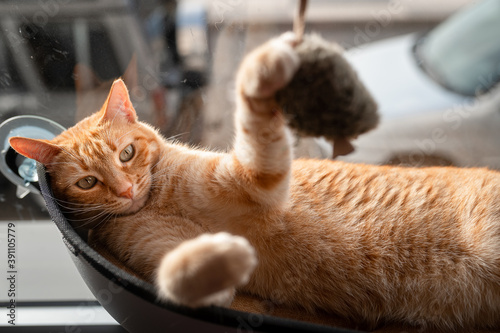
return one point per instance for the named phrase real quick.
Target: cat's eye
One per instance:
(87, 182)
(127, 153)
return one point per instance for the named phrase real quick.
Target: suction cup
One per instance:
(21, 171)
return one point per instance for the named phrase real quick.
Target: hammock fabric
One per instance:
(132, 302)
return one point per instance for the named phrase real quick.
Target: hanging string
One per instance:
(299, 21)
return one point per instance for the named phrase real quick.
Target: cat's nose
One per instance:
(128, 193)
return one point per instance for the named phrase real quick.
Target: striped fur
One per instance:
(369, 243)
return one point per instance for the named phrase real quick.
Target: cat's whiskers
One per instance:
(142, 182)
(100, 219)
(102, 211)
(107, 219)
(75, 209)
(86, 219)
(79, 215)
(60, 202)
(173, 138)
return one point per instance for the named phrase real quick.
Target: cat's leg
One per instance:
(205, 270)
(263, 145)
(188, 265)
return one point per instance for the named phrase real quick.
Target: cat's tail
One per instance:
(206, 270)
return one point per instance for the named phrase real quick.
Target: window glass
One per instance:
(179, 58)
(52, 49)
(57, 47)
(10, 80)
(463, 53)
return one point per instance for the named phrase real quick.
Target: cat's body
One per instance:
(348, 239)
(370, 243)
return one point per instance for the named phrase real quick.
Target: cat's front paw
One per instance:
(269, 68)
(205, 270)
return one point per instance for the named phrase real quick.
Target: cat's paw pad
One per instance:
(269, 67)
(205, 270)
(234, 254)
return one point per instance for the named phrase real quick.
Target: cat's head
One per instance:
(101, 167)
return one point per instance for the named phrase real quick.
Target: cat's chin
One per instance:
(136, 205)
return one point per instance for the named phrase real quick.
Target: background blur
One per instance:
(352, 24)
(433, 68)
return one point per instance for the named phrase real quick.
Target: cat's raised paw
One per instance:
(205, 270)
(269, 68)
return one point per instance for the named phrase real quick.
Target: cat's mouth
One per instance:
(136, 204)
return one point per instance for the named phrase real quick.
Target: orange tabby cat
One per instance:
(370, 243)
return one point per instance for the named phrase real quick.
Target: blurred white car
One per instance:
(438, 93)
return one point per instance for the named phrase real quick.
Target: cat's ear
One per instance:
(40, 150)
(118, 105)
